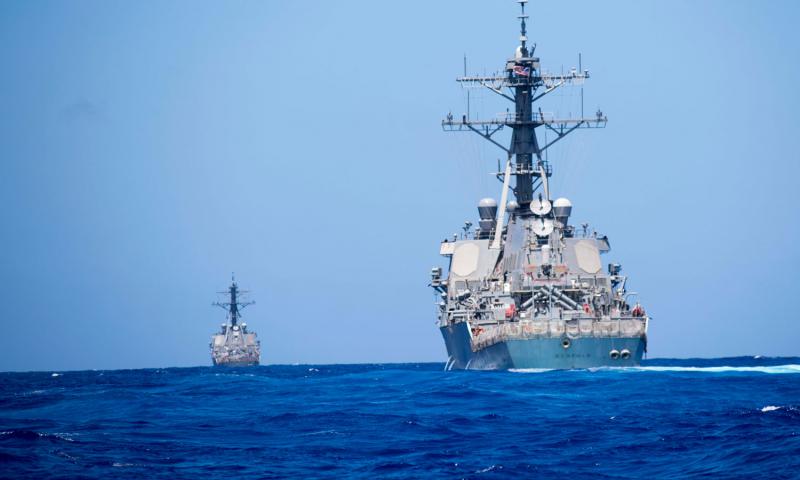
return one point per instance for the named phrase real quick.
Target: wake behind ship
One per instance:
(234, 345)
(531, 292)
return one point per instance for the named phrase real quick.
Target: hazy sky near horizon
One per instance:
(149, 149)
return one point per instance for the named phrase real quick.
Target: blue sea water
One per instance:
(723, 418)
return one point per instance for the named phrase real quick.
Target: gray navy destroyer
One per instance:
(234, 345)
(531, 292)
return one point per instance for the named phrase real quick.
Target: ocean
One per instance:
(721, 418)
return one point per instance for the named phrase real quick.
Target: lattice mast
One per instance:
(523, 83)
(234, 306)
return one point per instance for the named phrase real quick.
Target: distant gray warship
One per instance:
(531, 293)
(234, 345)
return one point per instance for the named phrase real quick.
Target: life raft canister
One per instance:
(511, 310)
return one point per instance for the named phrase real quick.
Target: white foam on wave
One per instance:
(29, 394)
(721, 369)
(791, 368)
(60, 435)
(489, 469)
(770, 408)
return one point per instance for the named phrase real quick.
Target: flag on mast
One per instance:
(521, 71)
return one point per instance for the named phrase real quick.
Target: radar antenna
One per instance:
(522, 17)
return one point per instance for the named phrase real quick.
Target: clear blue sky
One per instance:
(151, 148)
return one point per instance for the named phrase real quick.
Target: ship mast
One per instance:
(234, 305)
(523, 83)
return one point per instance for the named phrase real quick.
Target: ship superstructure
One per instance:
(531, 292)
(234, 345)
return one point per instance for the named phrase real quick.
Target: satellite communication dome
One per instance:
(512, 205)
(562, 209)
(487, 208)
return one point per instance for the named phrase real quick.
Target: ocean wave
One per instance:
(791, 368)
(489, 469)
(33, 435)
(669, 418)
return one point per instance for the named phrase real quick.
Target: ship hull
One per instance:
(224, 359)
(240, 363)
(541, 352)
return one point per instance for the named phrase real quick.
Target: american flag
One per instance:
(522, 71)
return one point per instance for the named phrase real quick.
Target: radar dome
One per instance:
(562, 209)
(512, 206)
(487, 208)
